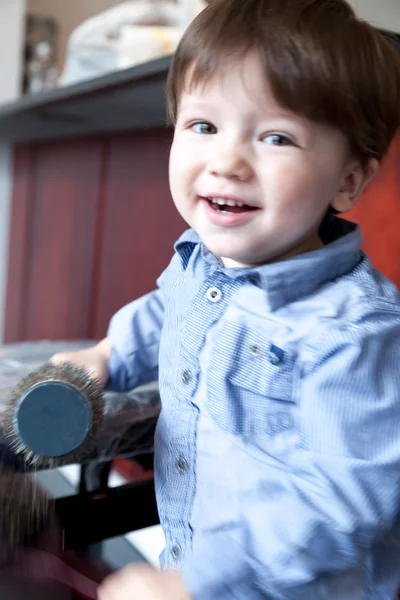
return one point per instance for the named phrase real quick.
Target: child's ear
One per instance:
(354, 184)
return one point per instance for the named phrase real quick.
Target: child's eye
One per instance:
(277, 139)
(203, 127)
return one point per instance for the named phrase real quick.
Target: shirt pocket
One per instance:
(249, 382)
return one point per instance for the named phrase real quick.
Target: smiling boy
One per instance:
(275, 342)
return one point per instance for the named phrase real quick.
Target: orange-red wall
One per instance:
(378, 212)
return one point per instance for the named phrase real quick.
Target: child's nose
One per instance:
(230, 164)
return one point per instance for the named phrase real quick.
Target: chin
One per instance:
(222, 251)
(235, 262)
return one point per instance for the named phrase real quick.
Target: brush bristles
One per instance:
(25, 509)
(75, 377)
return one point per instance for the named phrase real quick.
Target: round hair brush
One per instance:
(54, 414)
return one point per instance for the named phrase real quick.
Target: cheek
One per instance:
(175, 170)
(179, 182)
(173, 162)
(184, 169)
(303, 182)
(179, 160)
(296, 194)
(289, 186)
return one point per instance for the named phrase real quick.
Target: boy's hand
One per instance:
(94, 360)
(143, 583)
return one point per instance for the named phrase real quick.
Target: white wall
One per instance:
(384, 14)
(12, 15)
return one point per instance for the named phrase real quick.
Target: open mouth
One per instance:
(229, 206)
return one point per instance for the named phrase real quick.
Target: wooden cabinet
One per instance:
(93, 225)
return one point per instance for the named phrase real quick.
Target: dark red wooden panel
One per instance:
(61, 238)
(64, 232)
(140, 222)
(20, 247)
(378, 213)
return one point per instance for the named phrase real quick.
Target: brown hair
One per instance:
(320, 60)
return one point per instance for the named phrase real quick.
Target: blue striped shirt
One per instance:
(277, 452)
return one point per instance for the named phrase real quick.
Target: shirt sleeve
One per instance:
(335, 492)
(134, 333)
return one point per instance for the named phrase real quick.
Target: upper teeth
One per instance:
(223, 201)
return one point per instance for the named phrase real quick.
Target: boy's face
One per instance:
(251, 178)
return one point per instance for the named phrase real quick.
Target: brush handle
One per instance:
(52, 419)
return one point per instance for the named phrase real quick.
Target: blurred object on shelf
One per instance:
(128, 34)
(40, 72)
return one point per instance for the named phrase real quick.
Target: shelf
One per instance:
(118, 102)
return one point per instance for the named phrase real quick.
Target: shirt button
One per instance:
(186, 376)
(214, 294)
(176, 551)
(182, 465)
(255, 349)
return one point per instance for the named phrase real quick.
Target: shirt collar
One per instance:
(295, 277)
